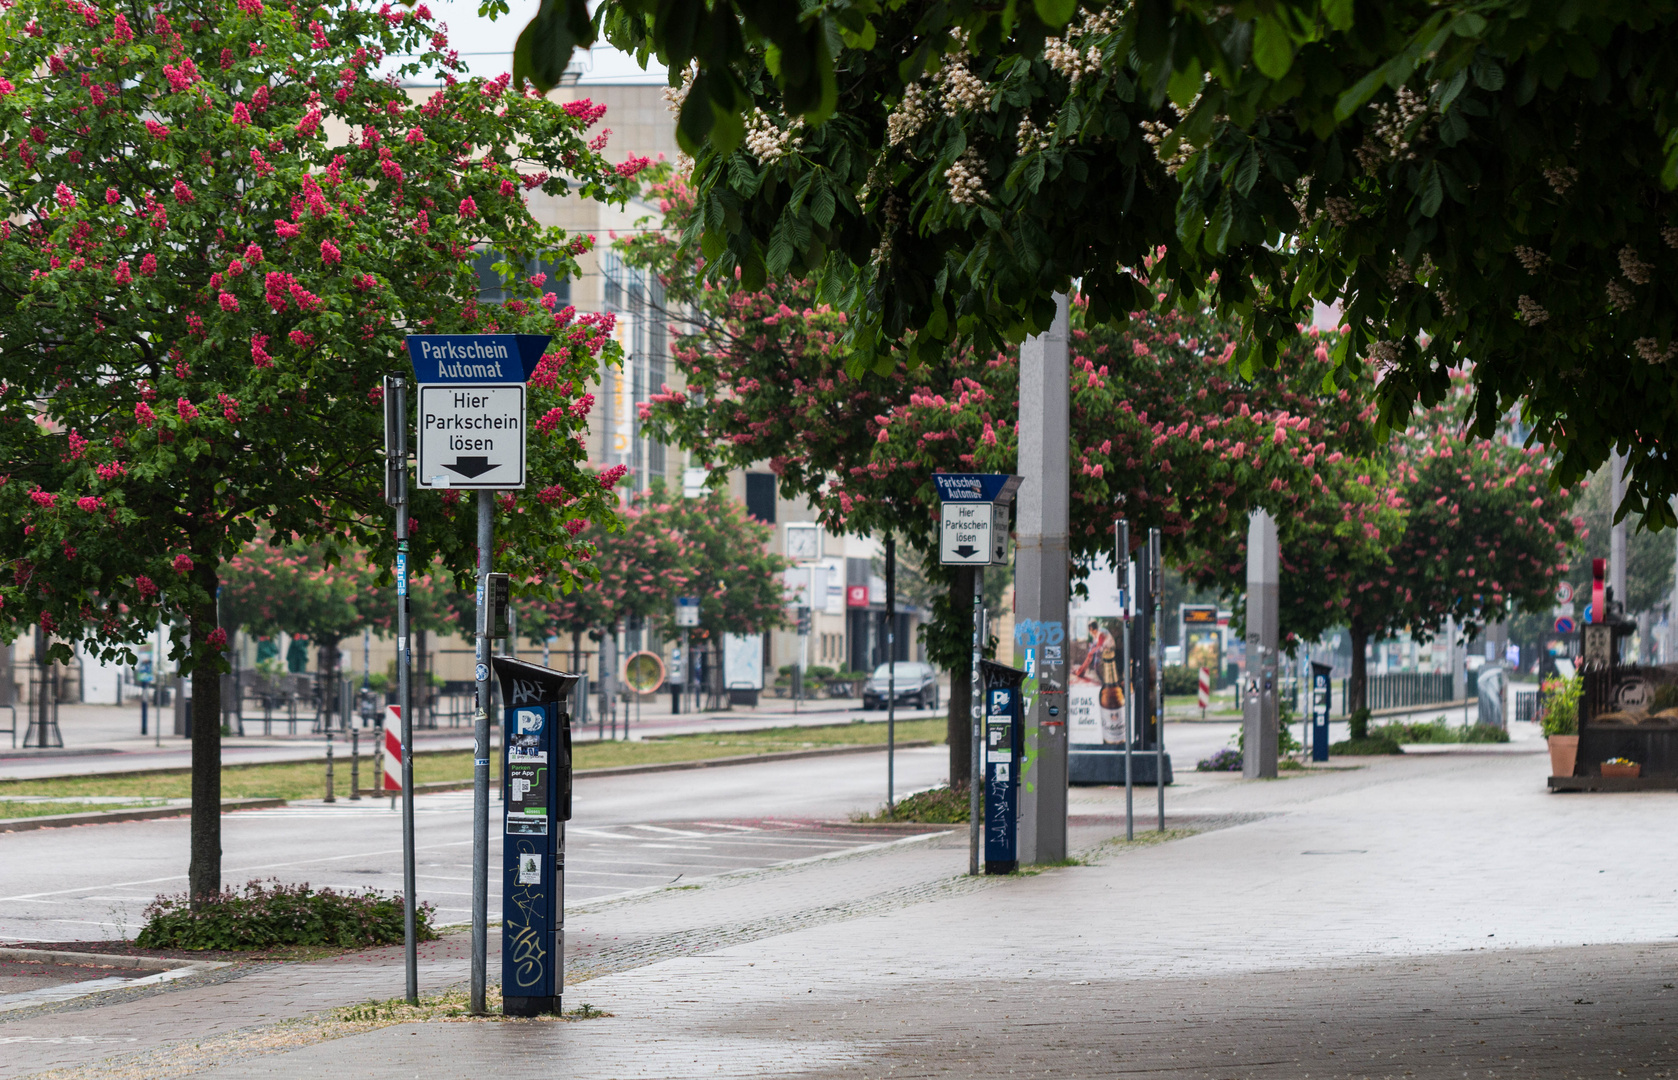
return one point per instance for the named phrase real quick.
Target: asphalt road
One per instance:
(629, 833)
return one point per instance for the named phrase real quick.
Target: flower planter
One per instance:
(1629, 772)
(1564, 750)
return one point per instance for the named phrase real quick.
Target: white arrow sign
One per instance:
(471, 436)
(964, 535)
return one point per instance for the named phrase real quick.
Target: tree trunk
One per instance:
(959, 729)
(1357, 688)
(204, 868)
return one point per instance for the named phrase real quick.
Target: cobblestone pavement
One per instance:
(1429, 916)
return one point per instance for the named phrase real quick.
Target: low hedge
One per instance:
(264, 916)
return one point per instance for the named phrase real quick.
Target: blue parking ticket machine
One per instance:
(536, 800)
(1004, 749)
(1322, 693)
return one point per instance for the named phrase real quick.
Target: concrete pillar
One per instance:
(1617, 534)
(1258, 698)
(1041, 584)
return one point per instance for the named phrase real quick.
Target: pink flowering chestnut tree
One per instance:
(1162, 431)
(222, 217)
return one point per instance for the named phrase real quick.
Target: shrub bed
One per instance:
(935, 806)
(263, 916)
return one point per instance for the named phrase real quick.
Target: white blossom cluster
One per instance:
(767, 141)
(1390, 137)
(1652, 353)
(1398, 274)
(1561, 177)
(1155, 134)
(963, 90)
(910, 115)
(1531, 258)
(1636, 270)
(1670, 235)
(675, 95)
(1071, 61)
(1384, 356)
(1532, 312)
(966, 179)
(1620, 296)
(1030, 137)
(1341, 211)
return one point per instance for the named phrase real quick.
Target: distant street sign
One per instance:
(1564, 593)
(976, 487)
(1564, 625)
(475, 358)
(471, 436)
(973, 530)
(687, 611)
(964, 536)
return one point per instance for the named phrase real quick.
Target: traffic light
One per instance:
(803, 622)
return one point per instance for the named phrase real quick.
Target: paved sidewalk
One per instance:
(1426, 916)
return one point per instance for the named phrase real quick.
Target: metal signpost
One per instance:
(472, 435)
(973, 532)
(1121, 560)
(1156, 698)
(536, 793)
(687, 617)
(396, 496)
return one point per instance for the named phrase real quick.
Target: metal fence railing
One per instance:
(1400, 690)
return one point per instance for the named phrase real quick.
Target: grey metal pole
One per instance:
(891, 674)
(1122, 561)
(976, 700)
(1157, 596)
(396, 479)
(480, 757)
(1617, 534)
(1041, 583)
(1258, 706)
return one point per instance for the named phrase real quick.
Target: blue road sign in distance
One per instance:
(1564, 625)
(976, 487)
(475, 358)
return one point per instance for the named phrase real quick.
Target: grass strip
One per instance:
(307, 779)
(12, 808)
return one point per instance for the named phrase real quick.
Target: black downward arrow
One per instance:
(471, 466)
(966, 550)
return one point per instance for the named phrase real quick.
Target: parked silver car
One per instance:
(915, 682)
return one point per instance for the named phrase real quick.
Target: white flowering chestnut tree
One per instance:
(222, 217)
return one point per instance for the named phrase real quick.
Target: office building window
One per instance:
(760, 496)
(493, 290)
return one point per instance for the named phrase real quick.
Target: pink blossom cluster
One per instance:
(43, 498)
(91, 503)
(181, 78)
(145, 586)
(585, 110)
(78, 445)
(111, 470)
(143, 414)
(611, 476)
(182, 564)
